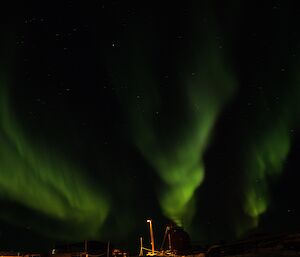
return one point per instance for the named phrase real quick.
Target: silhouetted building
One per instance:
(179, 239)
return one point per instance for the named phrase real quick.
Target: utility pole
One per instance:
(151, 236)
(108, 249)
(86, 248)
(141, 249)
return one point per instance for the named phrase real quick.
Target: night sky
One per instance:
(113, 112)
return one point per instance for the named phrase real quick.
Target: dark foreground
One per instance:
(256, 246)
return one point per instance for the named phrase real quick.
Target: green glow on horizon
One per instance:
(39, 179)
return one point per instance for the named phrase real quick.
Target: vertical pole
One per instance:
(169, 240)
(141, 249)
(108, 246)
(151, 235)
(86, 248)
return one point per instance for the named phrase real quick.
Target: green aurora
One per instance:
(264, 160)
(173, 79)
(176, 152)
(39, 179)
(267, 147)
(206, 84)
(180, 165)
